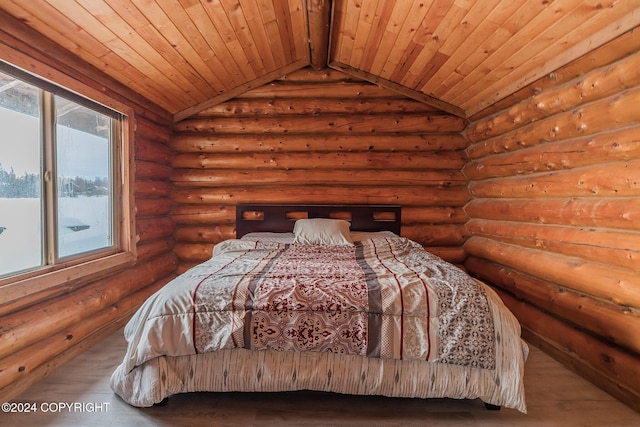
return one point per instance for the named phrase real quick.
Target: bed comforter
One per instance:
(383, 300)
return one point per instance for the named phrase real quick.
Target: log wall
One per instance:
(47, 329)
(319, 137)
(540, 196)
(555, 212)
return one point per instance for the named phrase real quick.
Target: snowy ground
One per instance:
(20, 243)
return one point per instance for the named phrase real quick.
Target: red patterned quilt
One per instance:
(384, 298)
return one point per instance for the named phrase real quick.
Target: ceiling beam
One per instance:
(232, 93)
(398, 88)
(318, 17)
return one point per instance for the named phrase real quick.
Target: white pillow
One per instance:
(322, 231)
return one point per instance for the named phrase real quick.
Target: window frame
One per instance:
(74, 271)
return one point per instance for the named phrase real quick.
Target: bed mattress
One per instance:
(381, 316)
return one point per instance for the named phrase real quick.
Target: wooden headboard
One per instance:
(281, 218)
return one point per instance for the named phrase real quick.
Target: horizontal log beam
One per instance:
(157, 131)
(620, 213)
(590, 87)
(353, 123)
(210, 234)
(437, 234)
(194, 253)
(618, 179)
(295, 143)
(606, 365)
(152, 170)
(331, 89)
(153, 207)
(152, 249)
(452, 254)
(20, 331)
(616, 111)
(296, 194)
(335, 161)
(433, 215)
(310, 75)
(154, 228)
(152, 188)
(204, 214)
(27, 366)
(151, 150)
(252, 107)
(617, 145)
(608, 283)
(621, 249)
(610, 321)
(330, 177)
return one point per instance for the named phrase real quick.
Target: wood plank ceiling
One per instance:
(458, 55)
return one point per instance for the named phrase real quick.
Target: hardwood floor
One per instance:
(555, 397)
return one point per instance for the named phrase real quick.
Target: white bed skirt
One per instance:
(270, 371)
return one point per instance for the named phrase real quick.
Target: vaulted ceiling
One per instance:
(458, 55)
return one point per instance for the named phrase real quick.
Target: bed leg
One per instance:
(491, 407)
(163, 402)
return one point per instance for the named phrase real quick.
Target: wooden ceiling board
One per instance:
(391, 41)
(470, 54)
(365, 20)
(408, 75)
(126, 42)
(180, 54)
(256, 26)
(174, 65)
(218, 50)
(460, 56)
(240, 41)
(430, 59)
(405, 49)
(64, 32)
(505, 45)
(589, 24)
(212, 58)
(299, 33)
(501, 62)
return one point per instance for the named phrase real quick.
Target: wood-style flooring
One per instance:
(555, 397)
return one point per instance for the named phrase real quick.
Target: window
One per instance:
(62, 189)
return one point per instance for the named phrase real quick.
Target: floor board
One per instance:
(555, 397)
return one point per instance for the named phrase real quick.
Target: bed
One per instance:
(323, 298)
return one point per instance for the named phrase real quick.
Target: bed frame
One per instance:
(281, 218)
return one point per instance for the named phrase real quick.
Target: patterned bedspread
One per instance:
(381, 298)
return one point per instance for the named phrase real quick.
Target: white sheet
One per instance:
(160, 363)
